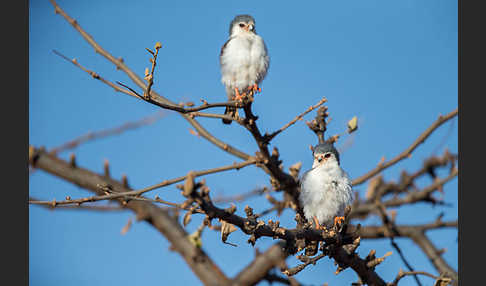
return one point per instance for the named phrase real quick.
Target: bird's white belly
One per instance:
(242, 62)
(325, 196)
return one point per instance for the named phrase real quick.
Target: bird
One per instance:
(326, 189)
(244, 61)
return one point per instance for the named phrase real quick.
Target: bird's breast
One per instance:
(243, 62)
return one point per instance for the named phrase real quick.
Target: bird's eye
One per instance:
(242, 25)
(327, 155)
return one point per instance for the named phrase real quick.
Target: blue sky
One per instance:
(393, 64)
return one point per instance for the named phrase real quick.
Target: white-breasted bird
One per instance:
(326, 188)
(243, 59)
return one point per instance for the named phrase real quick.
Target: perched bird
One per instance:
(325, 189)
(243, 59)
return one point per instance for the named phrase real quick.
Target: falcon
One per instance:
(326, 188)
(244, 61)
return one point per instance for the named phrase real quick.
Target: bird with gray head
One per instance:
(325, 188)
(244, 61)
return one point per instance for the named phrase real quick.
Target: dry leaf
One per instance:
(226, 229)
(158, 45)
(188, 184)
(187, 218)
(353, 124)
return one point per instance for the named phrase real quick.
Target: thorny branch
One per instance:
(337, 243)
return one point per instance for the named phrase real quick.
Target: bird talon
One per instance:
(238, 96)
(338, 220)
(255, 88)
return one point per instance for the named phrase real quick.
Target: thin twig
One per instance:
(407, 153)
(379, 232)
(97, 76)
(76, 207)
(402, 274)
(131, 194)
(150, 77)
(213, 115)
(363, 209)
(155, 98)
(90, 136)
(269, 137)
(294, 270)
(201, 264)
(391, 227)
(422, 195)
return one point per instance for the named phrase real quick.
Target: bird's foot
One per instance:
(338, 220)
(255, 88)
(238, 96)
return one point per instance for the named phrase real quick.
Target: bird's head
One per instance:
(242, 24)
(325, 154)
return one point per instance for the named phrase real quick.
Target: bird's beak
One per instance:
(251, 27)
(321, 159)
(247, 27)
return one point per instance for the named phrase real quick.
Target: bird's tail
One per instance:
(231, 111)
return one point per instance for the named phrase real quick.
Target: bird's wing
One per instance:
(304, 177)
(229, 91)
(266, 64)
(223, 47)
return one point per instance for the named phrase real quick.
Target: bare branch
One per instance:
(196, 258)
(213, 115)
(269, 137)
(319, 124)
(97, 76)
(407, 153)
(150, 77)
(154, 97)
(294, 270)
(434, 256)
(77, 207)
(377, 232)
(338, 244)
(402, 274)
(261, 265)
(391, 228)
(363, 209)
(90, 136)
(131, 194)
